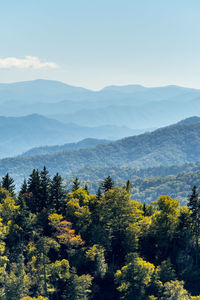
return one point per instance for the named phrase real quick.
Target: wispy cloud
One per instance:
(29, 62)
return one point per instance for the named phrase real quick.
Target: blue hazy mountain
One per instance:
(133, 106)
(19, 134)
(40, 90)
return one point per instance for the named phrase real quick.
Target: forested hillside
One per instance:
(84, 144)
(77, 246)
(147, 184)
(175, 144)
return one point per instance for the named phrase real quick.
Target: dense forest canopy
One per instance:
(58, 244)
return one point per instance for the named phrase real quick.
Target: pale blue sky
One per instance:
(98, 43)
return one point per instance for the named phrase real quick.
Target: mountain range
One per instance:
(83, 144)
(19, 134)
(133, 106)
(171, 145)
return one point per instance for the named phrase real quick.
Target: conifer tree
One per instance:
(128, 186)
(107, 184)
(24, 188)
(34, 187)
(45, 187)
(99, 193)
(57, 193)
(8, 184)
(86, 188)
(76, 184)
(194, 205)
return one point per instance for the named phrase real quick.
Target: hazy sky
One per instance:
(97, 43)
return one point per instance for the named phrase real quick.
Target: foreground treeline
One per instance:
(72, 245)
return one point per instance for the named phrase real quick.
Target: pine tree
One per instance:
(24, 188)
(44, 187)
(34, 188)
(128, 186)
(99, 193)
(194, 205)
(107, 184)
(57, 194)
(22, 195)
(86, 188)
(8, 184)
(76, 184)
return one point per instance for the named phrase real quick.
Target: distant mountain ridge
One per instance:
(19, 134)
(84, 144)
(175, 144)
(133, 106)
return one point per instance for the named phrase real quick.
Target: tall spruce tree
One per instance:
(194, 205)
(44, 187)
(34, 188)
(128, 186)
(99, 193)
(86, 188)
(22, 194)
(8, 184)
(107, 184)
(76, 184)
(57, 194)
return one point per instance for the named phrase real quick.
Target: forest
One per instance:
(165, 151)
(59, 244)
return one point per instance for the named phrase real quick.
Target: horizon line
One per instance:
(104, 87)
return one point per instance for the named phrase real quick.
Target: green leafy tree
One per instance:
(96, 255)
(114, 216)
(134, 279)
(164, 226)
(174, 290)
(78, 287)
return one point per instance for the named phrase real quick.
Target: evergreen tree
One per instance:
(34, 188)
(86, 188)
(8, 184)
(194, 205)
(128, 186)
(107, 184)
(45, 187)
(22, 196)
(76, 184)
(144, 209)
(57, 193)
(24, 188)
(99, 193)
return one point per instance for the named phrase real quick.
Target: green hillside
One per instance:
(175, 144)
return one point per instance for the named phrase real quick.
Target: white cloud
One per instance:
(32, 62)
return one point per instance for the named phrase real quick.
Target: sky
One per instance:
(95, 43)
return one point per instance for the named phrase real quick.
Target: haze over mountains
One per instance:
(175, 144)
(83, 144)
(133, 106)
(19, 134)
(92, 134)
